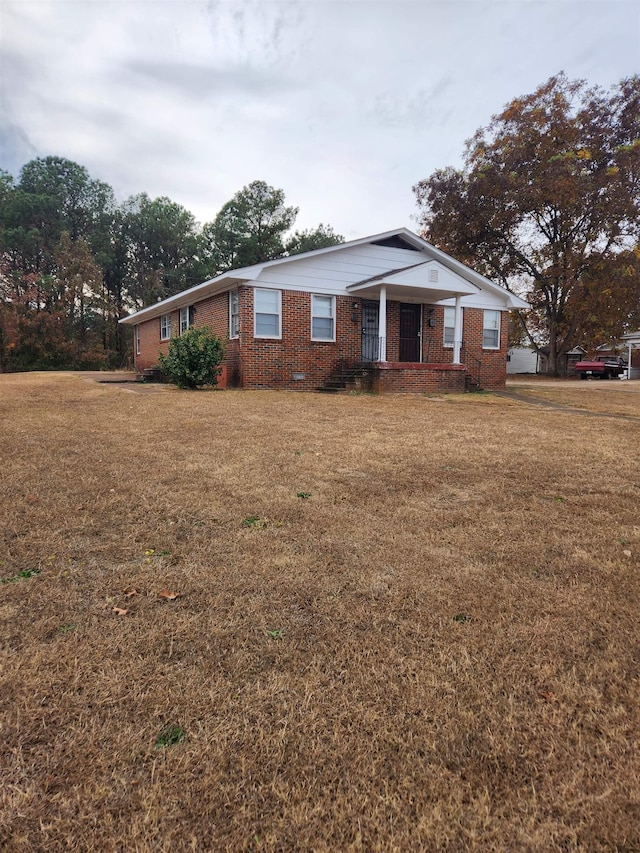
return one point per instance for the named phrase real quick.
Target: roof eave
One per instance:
(184, 298)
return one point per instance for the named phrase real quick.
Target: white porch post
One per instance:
(629, 362)
(457, 332)
(382, 325)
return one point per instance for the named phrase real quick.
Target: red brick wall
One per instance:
(433, 348)
(213, 313)
(490, 366)
(271, 363)
(401, 378)
(491, 371)
(150, 343)
(393, 331)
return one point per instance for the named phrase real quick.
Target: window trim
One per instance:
(277, 337)
(332, 339)
(489, 329)
(234, 334)
(165, 327)
(137, 336)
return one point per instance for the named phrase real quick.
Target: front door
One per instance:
(370, 331)
(410, 332)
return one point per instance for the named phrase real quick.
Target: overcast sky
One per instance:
(344, 104)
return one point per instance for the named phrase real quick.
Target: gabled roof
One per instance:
(398, 238)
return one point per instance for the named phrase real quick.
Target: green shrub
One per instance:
(193, 359)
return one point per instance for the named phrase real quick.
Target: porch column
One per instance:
(382, 324)
(629, 363)
(457, 332)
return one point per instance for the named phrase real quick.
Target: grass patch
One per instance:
(22, 575)
(439, 651)
(170, 736)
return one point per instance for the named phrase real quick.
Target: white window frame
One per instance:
(234, 316)
(493, 328)
(184, 319)
(137, 335)
(332, 300)
(165, 327)
(445, 326)
(256, 291)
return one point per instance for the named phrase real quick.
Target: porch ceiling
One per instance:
(413, 285)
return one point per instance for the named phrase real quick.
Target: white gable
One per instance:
(333, 273)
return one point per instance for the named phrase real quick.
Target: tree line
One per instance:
(73, 261)
(548, 205)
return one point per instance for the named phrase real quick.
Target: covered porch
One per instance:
(400, 350)
(413, 289)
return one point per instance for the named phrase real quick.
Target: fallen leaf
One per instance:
(626, 552)
(131, 592)
(547, 695)
(169, 596)
(120, 611)
(32, 499)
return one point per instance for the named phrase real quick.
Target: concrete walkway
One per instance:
(107, 376)
(511, 393)
(126, 380)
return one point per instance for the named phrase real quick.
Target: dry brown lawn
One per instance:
(437, 649)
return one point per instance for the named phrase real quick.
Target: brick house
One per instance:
(384, 313)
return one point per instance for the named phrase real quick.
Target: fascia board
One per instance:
(181, 300)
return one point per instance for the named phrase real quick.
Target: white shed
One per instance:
(522, 360)
(632, 342)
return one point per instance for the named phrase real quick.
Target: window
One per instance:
(234, 314)
(186, 318)
(323, 321)
(449, 326)
(491, 330)
(267, 313)
(137, 340)
(165, 327)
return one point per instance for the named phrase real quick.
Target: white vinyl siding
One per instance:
(165, 327)
(323, 318)
(449, 326)
(267, 310)
(491, 330)
(234, 314)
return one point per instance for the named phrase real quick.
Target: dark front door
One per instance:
(410, 322)
(370, 331)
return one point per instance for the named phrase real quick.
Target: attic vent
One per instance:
(433, 275)
(395, 242)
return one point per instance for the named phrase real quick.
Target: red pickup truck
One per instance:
(602, 367)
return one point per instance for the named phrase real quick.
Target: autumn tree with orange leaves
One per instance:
(548, 205)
